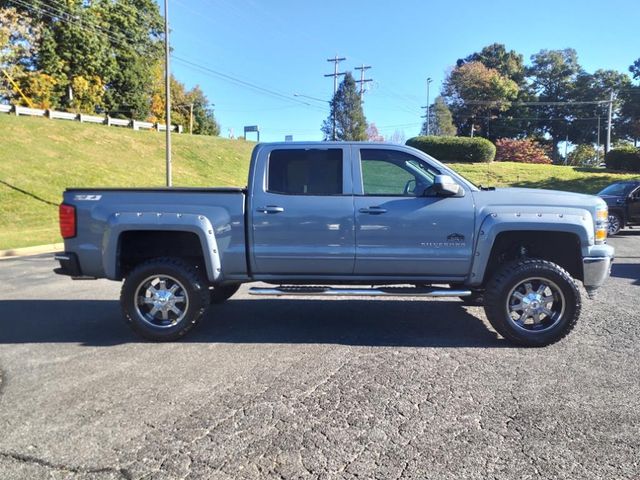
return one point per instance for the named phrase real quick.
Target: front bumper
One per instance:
(596, 266)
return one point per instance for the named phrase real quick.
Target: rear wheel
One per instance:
(163, 299)
(532, 302)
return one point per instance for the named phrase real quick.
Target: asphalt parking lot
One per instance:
(310, 388)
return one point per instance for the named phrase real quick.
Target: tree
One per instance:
(628, 125)
(397, 137)
(118, 41)
(19, 38)
(596, 87)
(515, 120)
(136, 39)
(440, 119)
(373, 135)
(509, 64)
(88, 94)
(346, 111)
(554, 74)
(204, 123)
(40, 89)
(635, 69)
(474, 92)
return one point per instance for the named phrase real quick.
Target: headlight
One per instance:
(602, 224)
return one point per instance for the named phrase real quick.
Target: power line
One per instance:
(238, 81)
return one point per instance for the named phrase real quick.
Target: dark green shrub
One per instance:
(624, 158)
(455, 149)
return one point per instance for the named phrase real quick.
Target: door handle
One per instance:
(373, 210)
(270, 209)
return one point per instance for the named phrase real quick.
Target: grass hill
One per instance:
(42, 157)
(39, 158)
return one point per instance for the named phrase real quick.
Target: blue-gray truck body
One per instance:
(341, 221)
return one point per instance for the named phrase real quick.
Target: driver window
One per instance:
(393, 173)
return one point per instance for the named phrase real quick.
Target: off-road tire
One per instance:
(193, 287)
(501, 288)
(221, 294)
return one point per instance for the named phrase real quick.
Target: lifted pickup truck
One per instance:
(341, 214)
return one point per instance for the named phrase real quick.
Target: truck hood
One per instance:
(532, 197)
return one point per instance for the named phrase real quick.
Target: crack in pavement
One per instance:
(19, 457)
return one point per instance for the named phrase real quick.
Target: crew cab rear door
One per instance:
(301, 211)
(399, 231)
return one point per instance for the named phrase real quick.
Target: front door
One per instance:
(634, 206)
(401, 232)
(302, 213)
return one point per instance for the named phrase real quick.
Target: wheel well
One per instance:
(138, 246)
(620, 213)
(560, 248)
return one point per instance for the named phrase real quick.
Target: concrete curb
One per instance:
(26, 251)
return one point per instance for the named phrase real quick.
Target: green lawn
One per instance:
(39, 158)
(42, 157)
(555, 177)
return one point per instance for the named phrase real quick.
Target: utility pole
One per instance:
(607, 146)
(428, 119)
(598, 149)
(167, 86)
(362, 80)
(191, 118)
(336, 60)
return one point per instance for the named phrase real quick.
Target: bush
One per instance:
(583, 156)
(455, 149)
(523, 151)
(624, 158)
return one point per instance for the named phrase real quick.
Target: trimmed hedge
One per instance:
(624, 158)
(455, 149)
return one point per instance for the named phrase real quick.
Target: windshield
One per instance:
(618, 189)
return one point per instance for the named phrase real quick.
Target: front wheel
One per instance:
(532, 303)
(163, 299)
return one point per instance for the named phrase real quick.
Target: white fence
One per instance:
(84, 118)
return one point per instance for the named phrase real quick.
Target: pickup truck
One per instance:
(388, 217)
(623, 200)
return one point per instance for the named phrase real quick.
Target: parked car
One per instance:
(623, 200)
(342, 214)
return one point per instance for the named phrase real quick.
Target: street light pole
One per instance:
(167, 86)
(428, 106)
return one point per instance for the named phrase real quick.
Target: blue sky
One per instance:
(282, 46)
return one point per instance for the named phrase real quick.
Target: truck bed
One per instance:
(102, 212)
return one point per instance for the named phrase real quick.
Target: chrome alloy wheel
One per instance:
(614, 224)
(535, 304)
(161, 301)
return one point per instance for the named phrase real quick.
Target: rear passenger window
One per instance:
(305, 172)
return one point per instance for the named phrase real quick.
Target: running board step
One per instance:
(360, 292)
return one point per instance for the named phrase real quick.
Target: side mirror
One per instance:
(444, 186)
